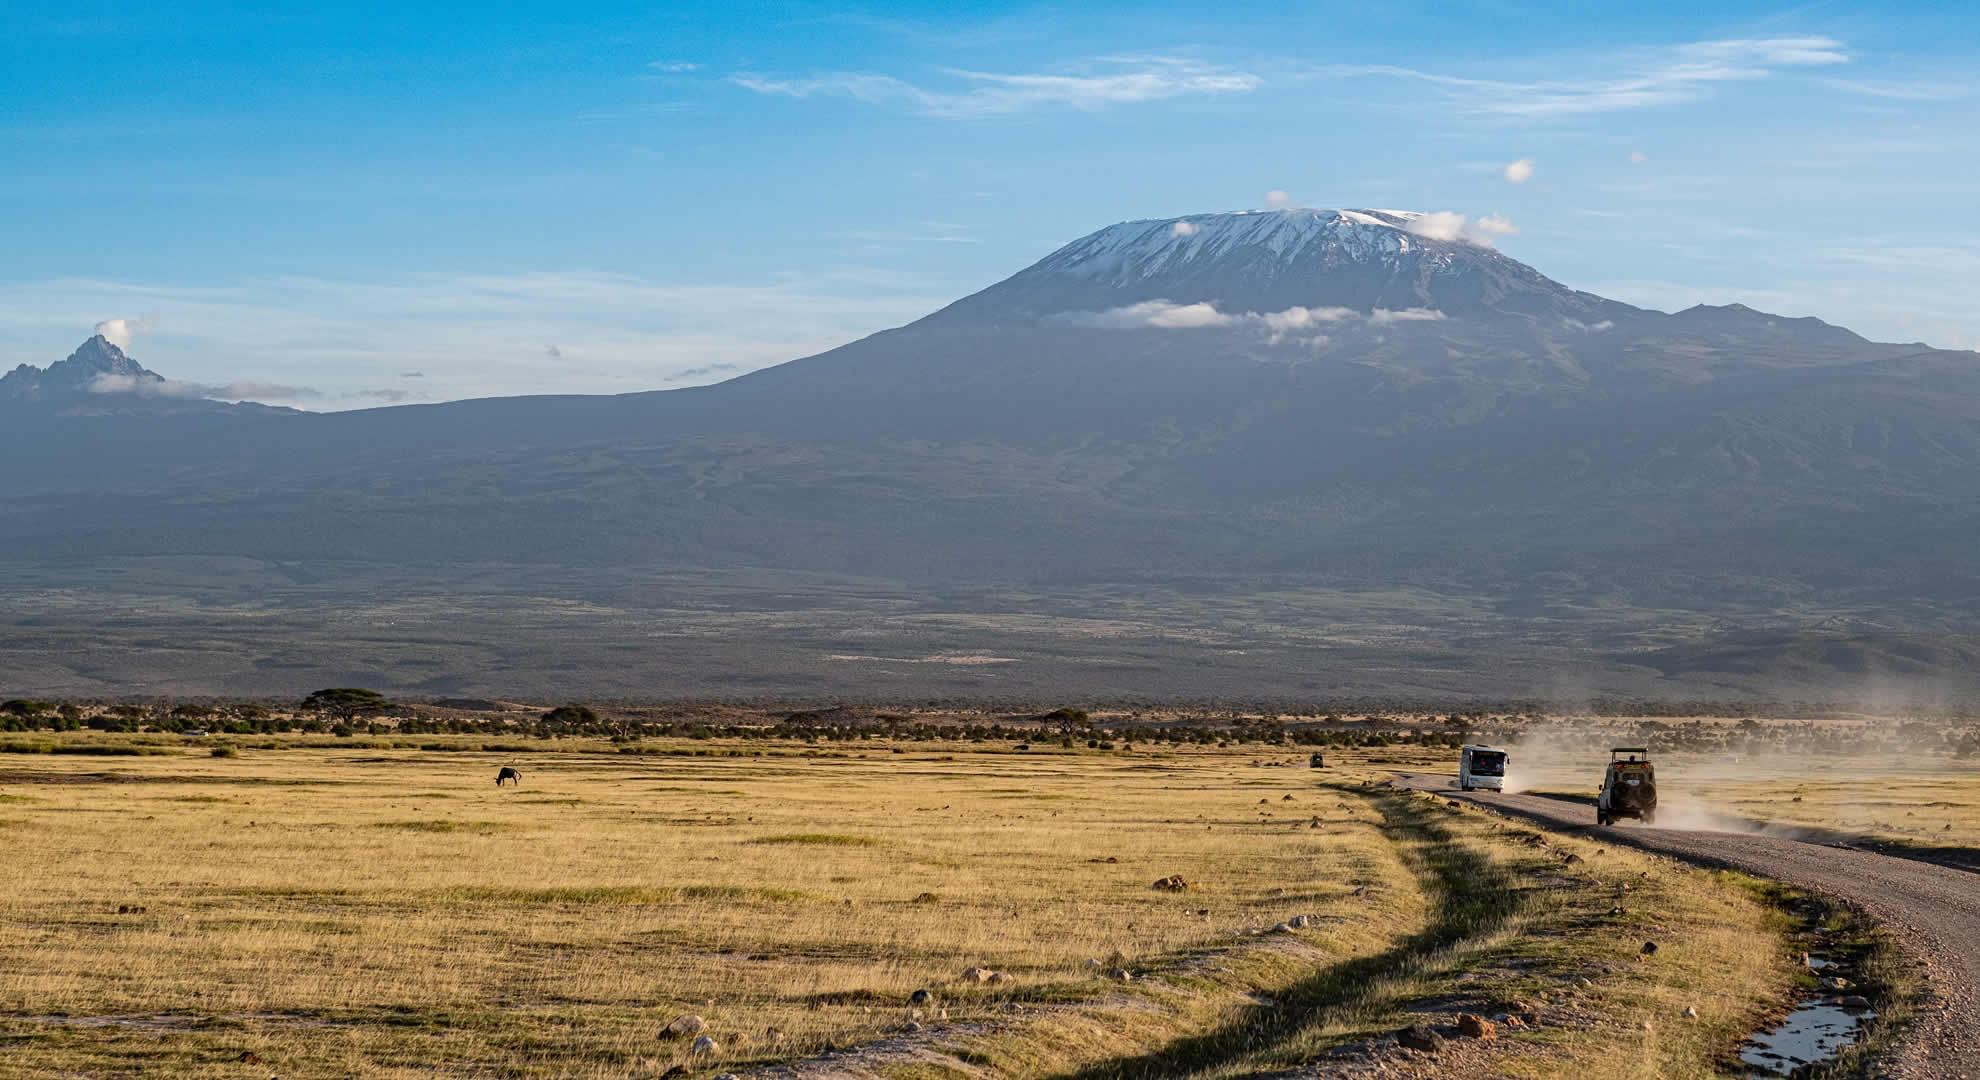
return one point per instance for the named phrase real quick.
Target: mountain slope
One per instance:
(1211, 403)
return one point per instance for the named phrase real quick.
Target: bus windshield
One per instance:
(1488, 763)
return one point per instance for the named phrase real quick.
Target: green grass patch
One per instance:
(17, 798)
(817, 839)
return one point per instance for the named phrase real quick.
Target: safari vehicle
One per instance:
(1629, 787)
(1481, 767)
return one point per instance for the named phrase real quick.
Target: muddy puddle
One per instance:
(1816, 1032)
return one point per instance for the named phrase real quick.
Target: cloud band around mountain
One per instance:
(1278, 326)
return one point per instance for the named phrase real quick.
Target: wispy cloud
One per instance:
(700, 372)
(174, 388)
(1669, 76)
(1907, 90)
(671, 67)
(1108, 82)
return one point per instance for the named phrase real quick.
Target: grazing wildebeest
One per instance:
(508, 773)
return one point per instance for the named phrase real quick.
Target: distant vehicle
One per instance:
(1481, 767)
(194, 731)
(1629, 787)
(1317, 761)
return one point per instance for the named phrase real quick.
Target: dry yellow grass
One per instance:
(365, 913)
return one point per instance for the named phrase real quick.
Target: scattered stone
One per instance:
(1855, 1003)
(976, 975)
(1836, 983)
(1092, 962)
(1172, 883)
(998, 977)
(249, 1057)
(1690, 1013)
(1571, 858)
(1299, 922)
(911, 1026)
(1013, 1007)
(927, 898)
(685, 1025)
(921, 997)
(1420, 1037)
(705, 1045)
(1617, 910)
(1476, 1027)
(1121, 975)
(1282, 928)
(1288, 798)
(1649, 947)
(1454, 804)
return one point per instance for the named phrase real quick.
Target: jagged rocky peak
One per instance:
(93, 360)
(1273, 260)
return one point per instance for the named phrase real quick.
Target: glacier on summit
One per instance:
(1364, 260)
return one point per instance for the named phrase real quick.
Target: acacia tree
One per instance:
(347, 703)
(571, 715)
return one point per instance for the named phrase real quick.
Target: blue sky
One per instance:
(349, 205)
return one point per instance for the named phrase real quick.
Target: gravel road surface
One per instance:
(1933, 910)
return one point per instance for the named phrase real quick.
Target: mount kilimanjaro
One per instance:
(1326, 439)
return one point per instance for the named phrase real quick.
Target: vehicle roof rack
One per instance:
(1629, 750)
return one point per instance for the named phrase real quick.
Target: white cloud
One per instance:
(983, 93)
(1294, 323)
(1638, 157)
(1183, 228)
(119, 332)
(1448, 226)
(1519, 172)
(1154, 314)
(1384, 317)
(672, 67)
(1277, 200)
(1438, 225)
(1668, 76)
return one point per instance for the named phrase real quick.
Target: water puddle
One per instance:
(1817, 1031)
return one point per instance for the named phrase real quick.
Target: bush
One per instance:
(225, 751)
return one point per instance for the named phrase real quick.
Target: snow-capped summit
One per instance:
(1274, 260)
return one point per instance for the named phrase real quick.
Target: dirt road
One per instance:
(1933, 910)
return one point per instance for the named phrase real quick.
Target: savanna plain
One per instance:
(303, 906)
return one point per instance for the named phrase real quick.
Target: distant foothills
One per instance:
(1348, 433)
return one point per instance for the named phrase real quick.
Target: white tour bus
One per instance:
(1481, 767)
